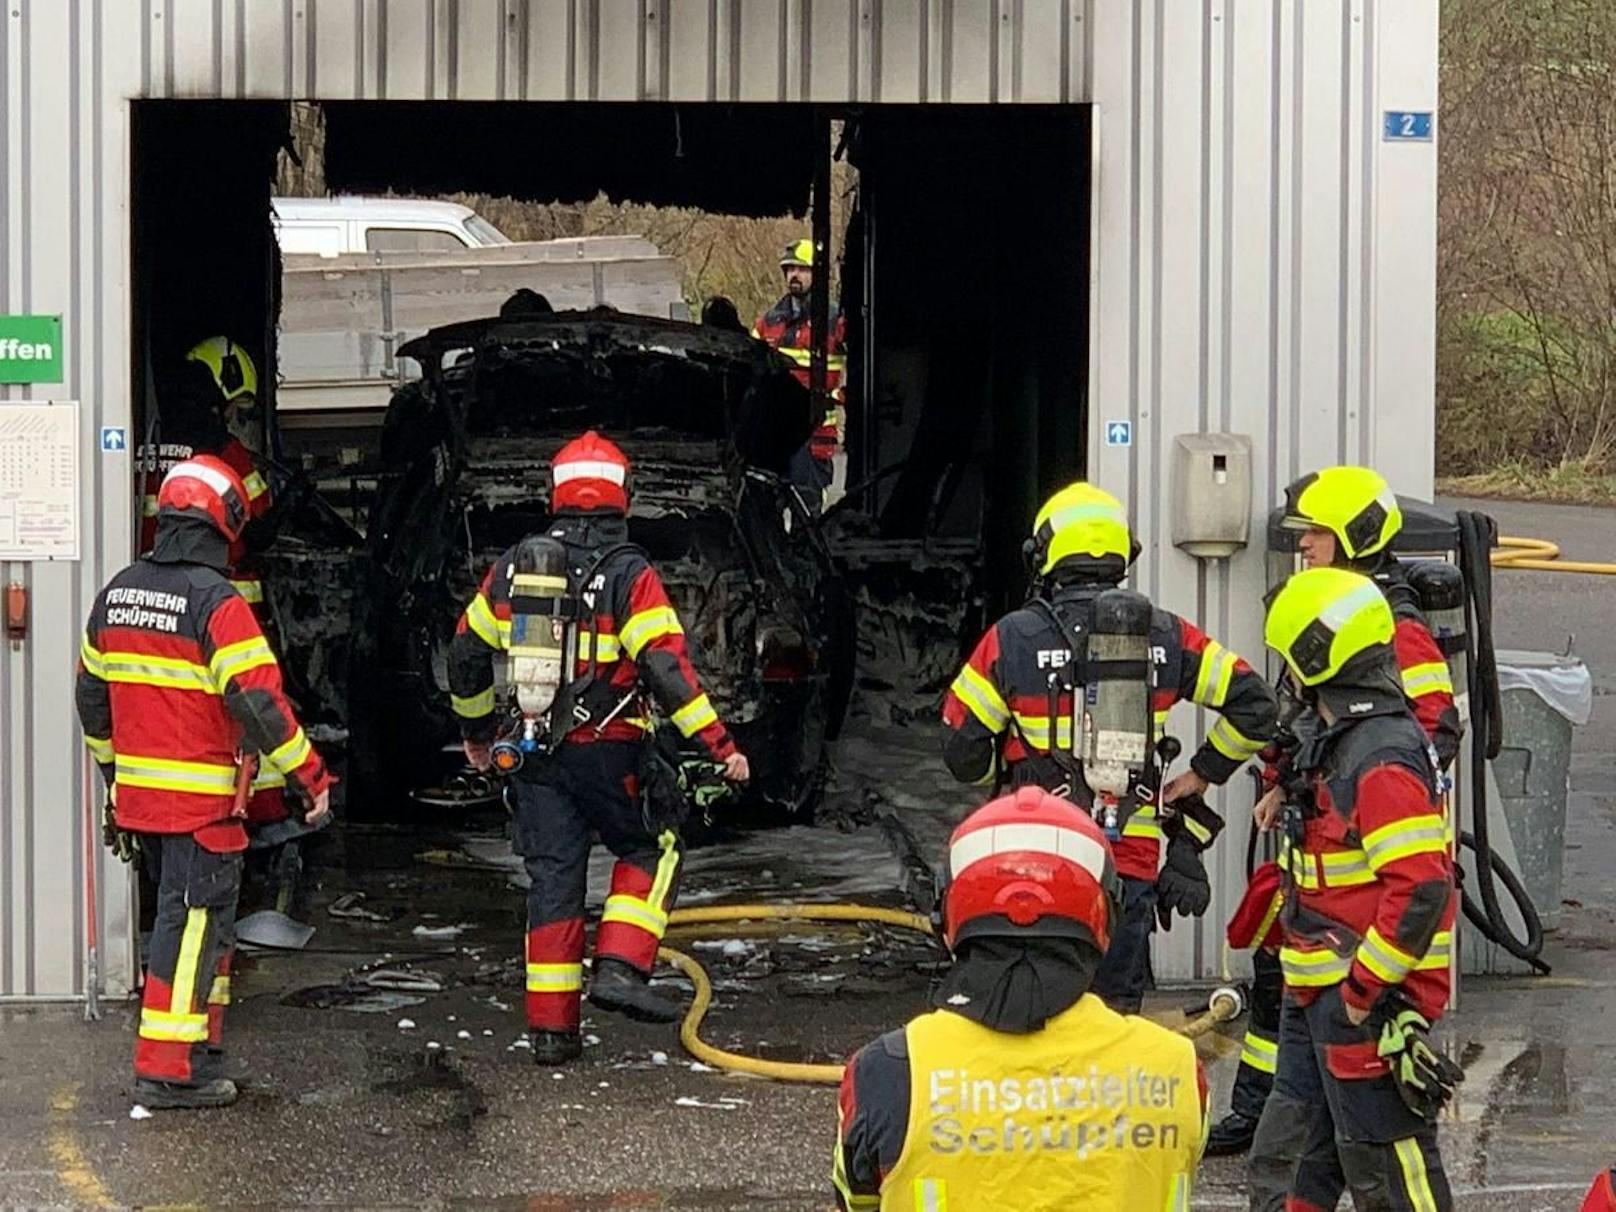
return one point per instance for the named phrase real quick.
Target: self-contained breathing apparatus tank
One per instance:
(1441, 590)
(1105, 737)
(543, 651)
(1116, 720)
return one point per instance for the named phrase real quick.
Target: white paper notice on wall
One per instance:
(39, 481)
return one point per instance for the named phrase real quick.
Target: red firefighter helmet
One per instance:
(1030, 864)
(589, 473)
(208, 486)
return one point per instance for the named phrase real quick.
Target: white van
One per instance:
(329, 227)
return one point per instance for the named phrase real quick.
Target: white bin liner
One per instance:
(1563, 682)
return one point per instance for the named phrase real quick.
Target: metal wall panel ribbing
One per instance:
(65, 68)
(1265, 265)
(620, 50)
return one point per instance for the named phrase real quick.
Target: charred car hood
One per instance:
(570, 371)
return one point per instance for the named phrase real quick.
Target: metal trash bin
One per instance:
(1544, 695)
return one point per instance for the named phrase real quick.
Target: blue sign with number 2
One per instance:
(1407, 126)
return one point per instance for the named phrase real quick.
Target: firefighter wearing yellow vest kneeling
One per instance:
(1022, 1091)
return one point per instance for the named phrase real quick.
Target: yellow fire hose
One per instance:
(1224, 1005)
(1541, 555)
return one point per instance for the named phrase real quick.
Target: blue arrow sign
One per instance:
(1119, 433)
(114, 438)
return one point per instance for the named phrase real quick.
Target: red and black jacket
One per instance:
(175, 681)
(1370, 891)
(636, 641)
(1002, 696)
(788, 328)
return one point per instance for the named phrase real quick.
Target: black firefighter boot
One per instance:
(623, 989)
(556, 1047)
(179, 1096)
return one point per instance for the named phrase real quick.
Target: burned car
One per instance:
(709, 419)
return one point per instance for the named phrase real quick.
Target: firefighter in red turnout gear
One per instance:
(788, 328)
(1368, 921)
(1001, 705)
(1348, 518)
(586, 780)
(175, 682)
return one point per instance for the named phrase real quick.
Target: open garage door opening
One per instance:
(960, 241)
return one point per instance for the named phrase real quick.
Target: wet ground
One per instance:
(357, 1095)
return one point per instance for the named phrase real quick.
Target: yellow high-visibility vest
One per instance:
(1097, 1111)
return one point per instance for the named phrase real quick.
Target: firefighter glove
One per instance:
(1182, 884)
(702, 783)
(1424, 1077)
(1192, 816)
(123, 844)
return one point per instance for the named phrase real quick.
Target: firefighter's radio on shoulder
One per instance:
(543, 652)
(1106, 736)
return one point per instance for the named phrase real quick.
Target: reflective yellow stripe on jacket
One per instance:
(647, 625)
(1327, 869)
(143, 669)
(1421, 680)
(292, 754)
(475, 706)
(1215, 676)
(1392, 964)
(481, 622)
(834, 363)
(983, 700)
(250, 588)
(235, 659)
(1426, 834)
(1313, 969)
(695, 715)
(167, 774)
(1034, 730)
(1231, 742)
(1143, 823)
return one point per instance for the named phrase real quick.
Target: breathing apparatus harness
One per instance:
(549, 699)
(1108, 725)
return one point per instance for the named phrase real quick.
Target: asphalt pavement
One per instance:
(355, 1099)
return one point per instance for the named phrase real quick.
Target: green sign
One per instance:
(30, 349)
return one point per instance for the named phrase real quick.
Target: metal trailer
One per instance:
(1264, 223)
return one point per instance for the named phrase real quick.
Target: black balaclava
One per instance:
(186, 537)
(1016, 985)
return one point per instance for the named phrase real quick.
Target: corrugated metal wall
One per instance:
(1263, 263)
(620, 50)
(65, 65)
